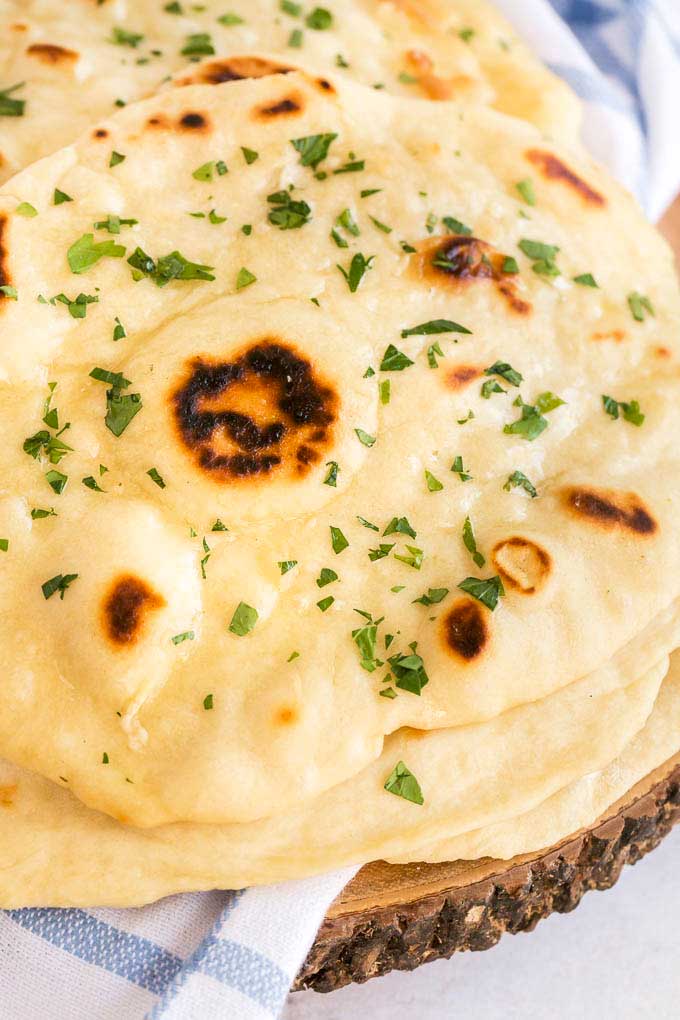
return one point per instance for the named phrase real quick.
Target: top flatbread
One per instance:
(78, 60)
(286, 401)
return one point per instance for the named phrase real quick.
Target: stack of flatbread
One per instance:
(339, 482)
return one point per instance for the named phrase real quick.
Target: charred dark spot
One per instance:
(465, 630)
(48, 53)
(158, 120)
(325, 85)
(100, 133)
(555, 170)
(125, 607)
(458, 377)
(5, 280)
(291, 105)
(194, 122)
(216, 72)
(612, 509)
(522, 564)
(459, 260)
(421, 65)
(265, 410)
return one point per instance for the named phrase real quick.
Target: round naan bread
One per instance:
(54, 851)
(325, 413)
(64, 65)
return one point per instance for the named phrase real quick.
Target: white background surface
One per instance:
(616, 957)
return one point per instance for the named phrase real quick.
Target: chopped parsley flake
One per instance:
(409, 671)
(505, 371)
(60, 197)
(26, 209)
(243, 620)
(399, 526)
(531, 422)
(470, 543)
(413, 559)
(169, 267)
(358, 267)
(487, 591)
(542, 255)
(586, 280)
(458, 469)
(287, 214)
(432, 597)
(59, 583)
(12, 107)
(402, 783)
(394, 360)
(526, 190)
(433, 484)
(519, 480)
(156, 477)
(384, 549)
(286, 565)
(198, 44)
(187, 635)
(313, 149)
(244, 278)
(364, 437)
(91, 483)
(326, 603)
(338, 540)
(121, 37)
(434, 326)
(116, 158)
(86, 252)
(208, 702)
(319, 19)
(250, 155)
(456, 227)
(631, 410)
(434, 351)
(639, 305)
(327, 576)
(332, 475)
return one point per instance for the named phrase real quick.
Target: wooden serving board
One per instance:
(399, 916)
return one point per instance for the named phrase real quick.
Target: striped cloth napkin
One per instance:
(234, 955)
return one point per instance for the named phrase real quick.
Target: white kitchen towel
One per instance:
(234, 955)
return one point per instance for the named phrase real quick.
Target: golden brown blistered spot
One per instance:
(5, 280)
(7, 795)
(522, 564)
(265, 412)
(159, 120)
(193, 121)
(465, 630)
(611, 508)
(617, 335)
(555, 170)
(421, 65)
(424, 12)
(459, 377)
(48, 53)
(458, 260)
(124, 610)
(662, 352)
(216, 72)
(286, 716)
(289, 106)
(18, 27)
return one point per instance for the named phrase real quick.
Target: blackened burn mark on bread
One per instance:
(610, 509)
(48, 53)
(125, 608)
(553, 169)
(266, 411)
(193, 121)
(466, 631)
(289, 106)
(216, 72)
(460, 260)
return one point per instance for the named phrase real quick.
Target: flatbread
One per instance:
(54, 851)
(72, 71)
(153, 729)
